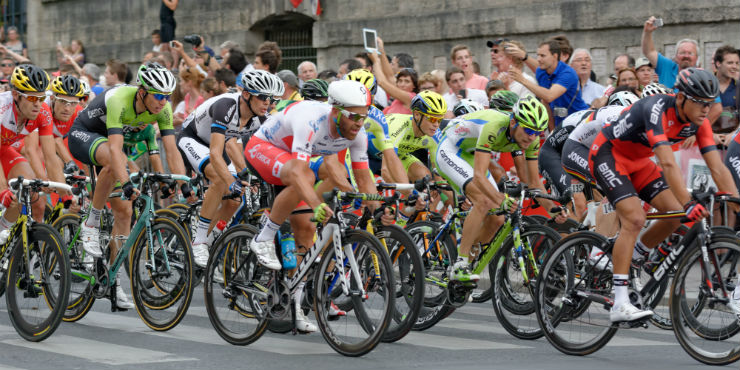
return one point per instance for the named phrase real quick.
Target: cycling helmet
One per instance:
(655, 88)
(156, 79)
(698, 83)
(315, 89)
(429, 102)
(466, 106)
(347, 93)
(261, 82)
(504, 100)
(364, 76)
(622, 98)
(28, 77)
(530, 113)
(67, 85)
(86, 90)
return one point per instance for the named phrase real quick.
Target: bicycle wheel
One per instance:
(81, 298)
(37, 288)
(185, 217)
(703, 325)
(436, 259)
(570, 322)
(513, 301)
(360, 330)
(162, 274)
(409, 275)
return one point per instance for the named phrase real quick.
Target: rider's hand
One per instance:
(561, 216)
(237, 187)
(129, 191)
(508, 204)
(695, 211)
(689, 142)
(466, 205)
(322, 213)
(71, 168)
(388, 216)
(6, 198)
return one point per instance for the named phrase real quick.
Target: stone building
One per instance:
(426, 29)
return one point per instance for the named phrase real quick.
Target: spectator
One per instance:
(503, 61)
(226, 79)
(644, 71)
(14, 44)
(68, 69)
(566, 50)
(623, 61)
(494, 86)
(4, 82)
(7, 64)
(328, 75)
(268, 57)
(428, 81)
(400, 61)
(167, 20)
(19, 59)
(306, 71)
(404, 89)
(365, 61)
(76, 52)
(628, 77)
(727, 63)
(209, 88)
(581, 63)
(667, 69)
(158, 45)
(92, 73)
(346, 66)
(236, 61)
(115, 72)
(440, 74)
(462, 59)
(225, 46)
(558, 83)
(290, 81)
(194, 64)
(190, 81)
(456, 81)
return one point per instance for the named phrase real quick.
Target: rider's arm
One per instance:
(118, 159)
(62, 149)
(480, 178)
(30, 146)
(175, 159)
(54, 165)
(395, 167)
(672, 173)
(236, 153)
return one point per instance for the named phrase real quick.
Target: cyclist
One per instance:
(96, 139)
(138, 141)
(315, 89)
(732, 161)
(620, 162)
(280, 151)
(503, 100)
(67, 92)
(463, 157)
(465, 106)
(208, 142)
(23, 113)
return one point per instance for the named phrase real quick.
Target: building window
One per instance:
(14, 14)
(296, 45)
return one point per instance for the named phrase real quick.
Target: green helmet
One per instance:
(504, 100)
(315, 89)
(530, 113)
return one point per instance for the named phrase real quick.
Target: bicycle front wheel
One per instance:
(81, 298)
(162, 274)
(372, 294)
(704, 326)
(37, 288)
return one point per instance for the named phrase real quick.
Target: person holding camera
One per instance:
(557, 82)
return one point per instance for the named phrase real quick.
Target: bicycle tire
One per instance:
(515, 308)
(558, 276)
(409, 276)
(151, 294)
(693, 325)
(344, 335)
(27, 296)
(81, 298)
(435, 264)
(228, 302)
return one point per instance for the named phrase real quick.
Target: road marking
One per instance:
(6, 367)
(454, 343)
(97, 351)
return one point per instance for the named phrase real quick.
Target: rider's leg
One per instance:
(211, 202)
(122, 211)
(632, 220)
(580, 205)
(22, 168)
(665, 201)
(472, 224)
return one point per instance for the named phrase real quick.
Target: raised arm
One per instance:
(648, 48)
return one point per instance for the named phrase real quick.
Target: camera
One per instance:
(192, 39)
(560, 112)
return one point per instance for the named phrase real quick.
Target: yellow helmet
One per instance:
(365, 77)
(530, 113)
(429, 102)
(67, 85)
(28, 77)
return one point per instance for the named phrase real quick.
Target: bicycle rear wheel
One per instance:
(235, 287)
(37, 288)
(162, 274)
(360, 330)
(569, 321)
(703, 324)
(80, 293)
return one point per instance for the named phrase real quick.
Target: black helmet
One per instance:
(315, 89)
(698, 83)
(67, 85)
(29, 78)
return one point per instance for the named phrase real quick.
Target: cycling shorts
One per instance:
(197, 154)
(266, 160)
(551, 168)
(84, 144)
(456, 168)
(621, 177)
(9, 158)
(575, 162)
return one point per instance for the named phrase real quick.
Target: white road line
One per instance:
(6, 367)
(454, 343)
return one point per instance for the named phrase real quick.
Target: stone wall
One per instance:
(426, 29)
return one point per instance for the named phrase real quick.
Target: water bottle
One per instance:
(217, 231)
(287, 244)
(658, 257)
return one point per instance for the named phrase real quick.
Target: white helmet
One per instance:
(466, 106)
(85, 87)
(261, 82)
(349, 93)
(655, 89)
(622, 98)
(155, 78)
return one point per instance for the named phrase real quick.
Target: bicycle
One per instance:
(242, 296)
(572, 291)
(157, 250)
(37, 274)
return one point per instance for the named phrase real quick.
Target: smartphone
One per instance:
(59, 44)
(172, 44)
(370, 38)
(658, 22)
(463, 93)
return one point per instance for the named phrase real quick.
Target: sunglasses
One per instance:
(6, 65)
(264, 97)
(703, 103)
(499, 41)
(160, 97)
(357, 117)
(33, 98)
(432, 119)
(529, 131)
(65, 102)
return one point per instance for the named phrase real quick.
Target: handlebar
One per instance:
(36, 183)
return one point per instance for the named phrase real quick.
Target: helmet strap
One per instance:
(336, 123)
(247, 102)
(418, 123)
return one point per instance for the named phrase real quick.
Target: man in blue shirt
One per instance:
(557, 83)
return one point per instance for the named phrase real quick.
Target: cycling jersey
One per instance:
(619, 157)
(146, 136)
(732, 158)
(549, 161)
(401, 135)
(12, 131)
(376, 128)
(60, 128)
(300, 131)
